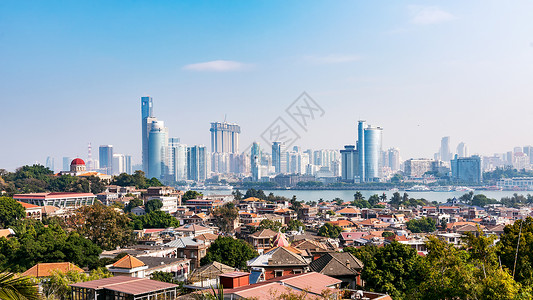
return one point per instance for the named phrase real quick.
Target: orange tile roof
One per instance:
(6, 232)
(46, 269)
(27, 205)
(341, 223)
(128, 262)
(249, 199)
(348, 210)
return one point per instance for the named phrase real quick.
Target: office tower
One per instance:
(106, 159)
(50, 163)
(146, 113)
(528, 150)
(157, 150)
(349, 163)
(369, 150)
(224, 137)
(255, 161)
(197, 163)
(393, 158)
(118, 164)
(127, 164)
(462, 150)
(178, 160)
(279, 158)
(445, 154)
(416, 168)
(66, 163)
(467, 169)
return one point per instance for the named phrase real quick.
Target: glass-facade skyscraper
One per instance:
(197, 163)
(157, 149)
(255, 158)
(146, 113)
(224, 137)
(369, 151)
(105, 155)
(279, 157)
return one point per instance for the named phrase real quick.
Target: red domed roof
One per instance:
(77, 161)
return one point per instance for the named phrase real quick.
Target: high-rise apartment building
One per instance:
(462, 150)
(369, 151)
(146, 113)
(157, 150)
(416, 168)
(279, 158)
(197, 163)
(467, 169)
(178, 160)
(393, 155)
(50, 163)
(255, 161)
(349, 163)
(105, 156)
(224, 137)
(444, 152)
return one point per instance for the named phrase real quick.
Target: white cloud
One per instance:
(333, 59)
(217, 66)
(423, 15)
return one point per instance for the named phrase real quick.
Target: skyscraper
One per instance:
(462, 150)
(146, 113)
(105, 155)
(349, 163)
(394, 159)
(369, 150)
(255, 158)
(157, 150)
(279, 158)
(66, 163)
(197, 163)
(224, 137)
(445, 154)
(50, 163)
(467, 169)
(178, 160)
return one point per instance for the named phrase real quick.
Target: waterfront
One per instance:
(347, 195)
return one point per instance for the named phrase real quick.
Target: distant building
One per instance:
(50, 163)
(178, 160)
(369, 150)
(462, 150)
(415, 168)
(467, 169)
(157, 150)
(225, 137)
(106, 159)
(197, 163)
(146, 113)
(349, 163)
(279, 158)
(445, 153)
(255, 160)
(78, 168)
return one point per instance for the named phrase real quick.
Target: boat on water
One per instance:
(441, 189)
(463, 189)
(418, 188)
(215, 187)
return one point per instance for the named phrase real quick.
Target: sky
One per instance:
(73, 72)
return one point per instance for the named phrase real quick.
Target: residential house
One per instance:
(279, 262)
(123, 287)
(343, 266)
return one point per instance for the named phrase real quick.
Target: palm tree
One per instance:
(17, 288)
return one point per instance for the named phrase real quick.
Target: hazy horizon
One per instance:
(74, 72)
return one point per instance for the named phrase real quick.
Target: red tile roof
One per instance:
(46, 269)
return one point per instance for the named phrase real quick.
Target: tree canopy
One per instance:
(229, 251)
(10, 211)
(421, 225)
(329, 230)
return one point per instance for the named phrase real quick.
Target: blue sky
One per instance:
(72, 72)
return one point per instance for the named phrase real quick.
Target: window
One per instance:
(278, 273)
(299, 271)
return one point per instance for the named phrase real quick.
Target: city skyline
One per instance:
(423, 72)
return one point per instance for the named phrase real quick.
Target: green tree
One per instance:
(358, 196)
(17, 288)
(153, 205)
(255, 193)
(338, 201)
(373, 200)
(396, 199)
(155, 219)
(10, 211)
(523, 258)
(237, 195)
(191, 195)
(421, 225)
(229, 251)
(163, 276)
(361, 203)
(225, 217)
(329, 230)
(269, 224)
(294, 225)
(387, 234)
(103, 225)
(132, 204)
(392, 269)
